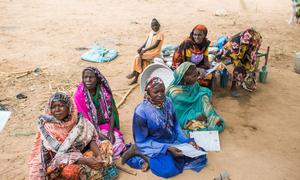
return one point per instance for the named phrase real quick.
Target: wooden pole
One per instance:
(126, 95)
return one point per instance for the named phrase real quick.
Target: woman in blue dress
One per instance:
(156, 131)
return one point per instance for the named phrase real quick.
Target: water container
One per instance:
(263, 74)
(297, 62)
(224, 78)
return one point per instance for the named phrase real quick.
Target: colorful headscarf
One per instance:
(100, 78)
(85, 105)
(57, 97)
(152, 83)
(187, 99)
(200, 27)
(205, 43)
(189, 43)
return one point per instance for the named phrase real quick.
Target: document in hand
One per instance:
(208, 140)
(4, 116)
(213, 69)
(189, 150)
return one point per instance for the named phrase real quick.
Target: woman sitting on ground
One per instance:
(192, 103)
(194, 49)
(95, 101)
(147, 52)
(155, 130)
(65, 145)
(241, 49)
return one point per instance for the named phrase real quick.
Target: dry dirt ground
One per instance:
(262, 137)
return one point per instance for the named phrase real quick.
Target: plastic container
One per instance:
(263, 74)
(221, 40)
(224, 78)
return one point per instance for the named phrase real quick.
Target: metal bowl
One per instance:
(156, 70)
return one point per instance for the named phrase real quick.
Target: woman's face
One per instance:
(157, 94)
(191, 76)
(198, 36)
(89, 80)
(59, 110)
(155, 26)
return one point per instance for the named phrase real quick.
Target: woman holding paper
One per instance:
(194, 49)
(192, 102)
(156, 132)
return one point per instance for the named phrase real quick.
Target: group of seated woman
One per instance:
(241, 49)
(80, 140)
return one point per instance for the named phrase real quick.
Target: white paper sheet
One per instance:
(208, 140)
(189, 150)
(212, 69)
(4, 116)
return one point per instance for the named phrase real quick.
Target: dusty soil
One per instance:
(262, 137)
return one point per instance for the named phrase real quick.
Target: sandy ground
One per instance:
(262, 137)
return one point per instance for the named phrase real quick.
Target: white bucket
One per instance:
(297, 62)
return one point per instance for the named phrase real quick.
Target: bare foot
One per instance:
(131, 75)
(132, 151)
(129, 153)
(133, 82)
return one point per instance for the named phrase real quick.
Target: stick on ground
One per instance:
(25, 74)
(122, 89)
(127, 94)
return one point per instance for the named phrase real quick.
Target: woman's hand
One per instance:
(202, 118)
(176, 152)
(194, 145)
(111, 136)
(219, 122)
(143, 51)
(139, 50)
(201, 73)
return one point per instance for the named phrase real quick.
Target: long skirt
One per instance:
(146, 60)
(119, 145)
(166, 165)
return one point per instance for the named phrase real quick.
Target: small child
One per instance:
(147, 52)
